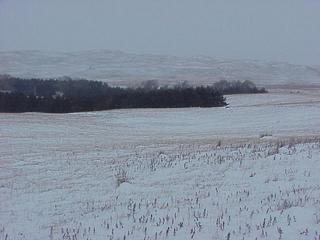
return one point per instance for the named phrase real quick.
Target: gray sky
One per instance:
(278, 30)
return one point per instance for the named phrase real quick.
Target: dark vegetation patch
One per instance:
(63, 96)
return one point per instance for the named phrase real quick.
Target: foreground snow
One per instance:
(254, 191)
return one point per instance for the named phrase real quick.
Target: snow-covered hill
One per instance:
(122, 68)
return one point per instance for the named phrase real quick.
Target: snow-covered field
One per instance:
(249, 171)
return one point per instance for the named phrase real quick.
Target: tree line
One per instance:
(237, 87)
(63, 96)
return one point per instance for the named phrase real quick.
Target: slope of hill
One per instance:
(121, 68)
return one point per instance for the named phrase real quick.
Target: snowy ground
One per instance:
(249, 171)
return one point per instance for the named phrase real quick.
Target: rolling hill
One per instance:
(120, 68)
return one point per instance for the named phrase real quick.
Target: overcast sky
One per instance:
(278, 30)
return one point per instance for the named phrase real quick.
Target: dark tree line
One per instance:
(62, 96)
(53, 87)
(237, 87)
(223, 86)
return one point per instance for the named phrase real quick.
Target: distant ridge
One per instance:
(120, 68)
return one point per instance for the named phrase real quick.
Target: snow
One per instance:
(190, 173)
(120, 68)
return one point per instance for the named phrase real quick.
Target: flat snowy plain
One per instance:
(246, 171)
